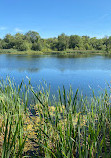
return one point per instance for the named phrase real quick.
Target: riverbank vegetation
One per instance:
(31, 42)
(73, 127)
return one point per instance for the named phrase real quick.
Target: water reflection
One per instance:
(31, 70)
(79, 71)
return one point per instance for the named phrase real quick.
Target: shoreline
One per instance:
(64, 53)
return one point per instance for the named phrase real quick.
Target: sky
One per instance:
(50, 18)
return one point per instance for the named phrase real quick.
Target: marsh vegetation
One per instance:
(74, 126)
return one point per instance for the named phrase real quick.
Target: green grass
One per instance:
(51, 52)
(14, 51)
(73, 127)
(12, 116)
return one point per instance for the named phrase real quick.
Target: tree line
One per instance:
(32, 41)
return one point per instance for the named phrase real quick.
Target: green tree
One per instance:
(108, 44)
(24, 46)
(63, 42)
(36, 46)
(1, 45)
(45, 46)
(87, 46)
(19, 41)
(86, 42)
(32, 36)
(93, 42)
(75, 41)
(99, 44)
(52, 43)
(8, 41)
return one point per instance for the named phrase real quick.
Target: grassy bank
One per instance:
(73, 127)
(67, 52)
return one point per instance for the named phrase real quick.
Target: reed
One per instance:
(73, 127)
(12, 116)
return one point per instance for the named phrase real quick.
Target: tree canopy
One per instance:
(32, 41)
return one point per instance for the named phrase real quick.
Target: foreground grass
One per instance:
(47, 52)
(73, 127)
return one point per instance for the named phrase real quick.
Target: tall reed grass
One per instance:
(73, 127)
(12, 115)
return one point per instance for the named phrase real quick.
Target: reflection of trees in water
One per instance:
(74, 55)
(28, 69)
(23, 56)
(61, 63)
(24, 69)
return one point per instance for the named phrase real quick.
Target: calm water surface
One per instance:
(85, 73)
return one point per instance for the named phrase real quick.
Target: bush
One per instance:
(24, 46)
(36, 47)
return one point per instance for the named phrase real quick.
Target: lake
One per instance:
(86, 73)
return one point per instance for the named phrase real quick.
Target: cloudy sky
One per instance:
(53, 17)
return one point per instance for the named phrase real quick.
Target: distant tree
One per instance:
(32, 40)
(99, 44)
(32, 36)
(105, 40)
(19, 36)
(36, 46)
(45, 46)
(93, 42)
(8, 38)
(1, 45)
(108, 44)
(85, 39)
(8, 41)
(19, 41)
(86, 42)
(63, 42)
(52, 43)
(87, 46)
(24, 46)
(75, 41)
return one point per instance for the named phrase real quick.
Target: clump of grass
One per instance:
(73, 127)
(12, 116)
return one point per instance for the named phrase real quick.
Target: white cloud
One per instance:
(2, 28)
(18, 30)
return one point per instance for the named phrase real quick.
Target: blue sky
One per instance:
(52, 17)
